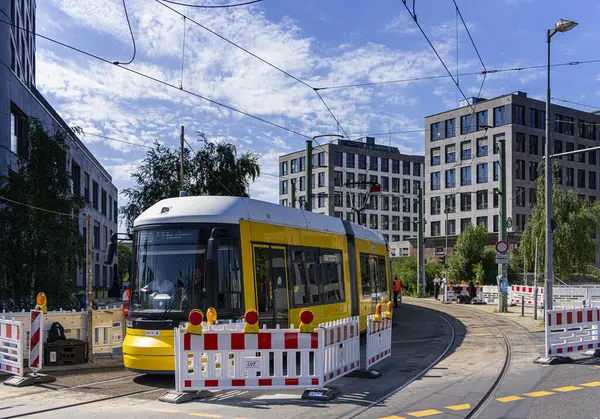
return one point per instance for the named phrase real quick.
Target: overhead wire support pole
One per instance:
(89, 309)
(181, 174)
(309, 185)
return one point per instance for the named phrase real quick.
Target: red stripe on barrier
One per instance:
(211, 383)
(559, 351)
(34, 315)
(238, 383)
(345, 332)
(558, 318)
(315, 381)
(35, 339)
(549, 321)
(346, 368)
(8, 331)
(590, 316)
(265, 382)
(331, 336)
(187, 383)
(590, 346)
(580, 348)
(314, 340)
(35, 363)
(18, 332)
(569, 349)
(569, 317)
(352, 365)
(580, 317)
(237, 341)
(8, 368)
(264, 341)
(330, 375)
(291, 381)
(186, 342)
(211, 342)
(339, 372)
(290, 340)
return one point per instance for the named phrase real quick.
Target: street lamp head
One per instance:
(564, 25)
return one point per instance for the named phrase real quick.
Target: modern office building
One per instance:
(340, 176)
(20, 103)
(462, 169)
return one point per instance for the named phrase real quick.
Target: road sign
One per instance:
(508, 222)
(502, 259)
(501, 246)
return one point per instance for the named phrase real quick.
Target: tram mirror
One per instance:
(112, 248)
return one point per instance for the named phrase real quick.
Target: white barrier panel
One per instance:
(36, 344)
(379, 340)
(524, 292)
(11, 347)
(490, 293)
(270, 359)
(341, 348)
(572, 330)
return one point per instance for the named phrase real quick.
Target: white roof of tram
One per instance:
(230, 210)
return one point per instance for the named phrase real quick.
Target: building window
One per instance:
(350, 159)
(435, 228)
(396, 166)
(451, 225)
(450, 153)
(436, 133)
(416, 169)
(406, 224)
(96, 236)
(500, 116)
(534, 118)
(110, 207)
(450, 128)
(592, 157)
(385, 184)
(103, 201)
(464, 223)
(519, 115)
(406, 186)
(496, 197)
(350, 217)
(465, 150)
(520, 170)
(532, 197)
(385, 203)
(592, 180)
(302, 183)
(406, 168)
(465, 201)
(76, 177)
(373, 163)
(482, 147)
(18, 132)
(482, 200)
(559, 175)
(302, 164)
(416, 186)
(533, 144)
(396, 185)
(450, 178)
(533, 170)
(520, 197)
(569, 125)
(115, 211)
(520, 142)
(338, 158)
(482, 173)
(338, 178)
(294, 166)
(435, 181)
(284, 187)
(495, 222)
(94, 194)
(362, 181)
(570, 177)
(482, 120)
(435, 205)
(396, 203)
(385, 222)
(558, 147)
(321, 200)
(435, 156)
(482, 221)
(450, 203)
(497, 139)
(496, 171)
(396, 223)
(362, 162)
(570, 147)
(385, 165)
(581, 156)
(521, 221)
(405, 204)
(283, 202)
(283, 168)
(321, 179)
(466, 124)
(350, 200)
(373, 221)
(465, 176)
(581, 178)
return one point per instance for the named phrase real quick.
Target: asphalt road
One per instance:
(452, 388)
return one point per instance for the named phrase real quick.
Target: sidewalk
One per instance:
(514, 314)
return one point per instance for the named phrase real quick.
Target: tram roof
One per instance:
(230, 210)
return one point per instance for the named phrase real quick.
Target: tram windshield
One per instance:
(170, 271)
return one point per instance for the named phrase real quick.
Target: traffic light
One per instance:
(442, 260)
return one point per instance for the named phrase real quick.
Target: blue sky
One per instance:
(325, 43)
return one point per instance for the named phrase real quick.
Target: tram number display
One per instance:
(152, 332)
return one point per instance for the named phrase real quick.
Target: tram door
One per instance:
(271, 285)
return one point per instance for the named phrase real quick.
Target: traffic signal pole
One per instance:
(309, 185)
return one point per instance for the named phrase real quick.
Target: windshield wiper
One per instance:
(170, 307)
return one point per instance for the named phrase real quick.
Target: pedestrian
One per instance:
(397, 287)
(436, 286)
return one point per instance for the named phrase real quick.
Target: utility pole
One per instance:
(308, 203)
(89, 309)
(420, 240)
(446, 257)
(181, 140)
(535, 282)
(502, 233)
(293, 186)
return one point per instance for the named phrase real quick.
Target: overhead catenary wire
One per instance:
(576, 103)
(164, 83)
(132, 38)
(3, 198)
(214, 6)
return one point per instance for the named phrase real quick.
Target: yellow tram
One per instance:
(237, 253)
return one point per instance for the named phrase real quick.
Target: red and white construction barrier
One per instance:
(464, 290)
(572, 330)
(11, 347)
(36, 343)
(525, 293)
(379, 340)
(341, 348)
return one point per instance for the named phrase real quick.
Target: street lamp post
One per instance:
(561, 26)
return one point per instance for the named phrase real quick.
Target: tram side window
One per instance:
(229, 288)
(367, 288)
(382, 284)
(332, 276)
(305, 278)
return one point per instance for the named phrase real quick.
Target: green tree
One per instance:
(215, 169)
(468, 252)
(576, 224)
(40, 250)
(406, 269)
(124, 260)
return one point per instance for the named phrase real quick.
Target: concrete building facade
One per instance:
(337, 166)
(462, 169)
(21, 103)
